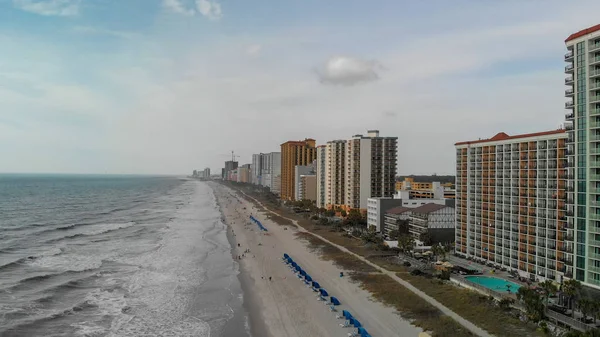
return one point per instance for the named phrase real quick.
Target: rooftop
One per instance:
(398, 210)
(428, 208)
(583, 33)
(503, 136)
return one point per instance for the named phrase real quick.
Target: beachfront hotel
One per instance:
(333, 173)
(583, 93)
(511, 203)
(370, 168)
(351, 171)
(294, 153)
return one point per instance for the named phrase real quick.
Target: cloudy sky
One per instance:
(166, 86)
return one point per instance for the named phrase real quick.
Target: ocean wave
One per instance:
(103, 229)
(64, 228)
(17, 263)
(75, 263)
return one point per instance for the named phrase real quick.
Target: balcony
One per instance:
(594, 73)
(569, 80)
(568, 115)
(594, 99)
(569, 56)
(593, 60)
(569, 105)
(569, 92)
(569, 126)
(594, 46)
(594, 111)
(569, 68)
(594, 86)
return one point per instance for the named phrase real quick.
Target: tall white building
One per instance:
(273, 176)
(266, 170)
(583, 150)
(370, 168)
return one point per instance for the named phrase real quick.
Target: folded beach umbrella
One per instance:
(316, 284)
(351, 320)
(346, 314)
(357, 323)
(335, 301)
(308, 278)
(323, 292)
(285, 256)
(362, 332)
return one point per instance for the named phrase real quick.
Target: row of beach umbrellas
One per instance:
(253, 219)
(323, 294)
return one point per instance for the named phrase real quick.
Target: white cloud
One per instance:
(253, 50)
(176, 6)
(344, 70)
(209, 8)
(49, 7)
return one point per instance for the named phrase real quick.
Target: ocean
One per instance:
(115, 256)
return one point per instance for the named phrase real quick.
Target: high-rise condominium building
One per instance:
(335, 177)
(511, 203)
(265, 168)
(256, 168)
(370, 168)
(583, 128)
(294, 153)
(321, 175)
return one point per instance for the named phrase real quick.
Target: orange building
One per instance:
(294, 153)
(511, 203)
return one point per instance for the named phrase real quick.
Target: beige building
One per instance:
(308, 187)
(511, 203)
(335, 176)
(321, 174)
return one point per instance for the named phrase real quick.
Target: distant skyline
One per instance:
(169, 86)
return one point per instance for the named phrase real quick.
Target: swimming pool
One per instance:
(494, 283)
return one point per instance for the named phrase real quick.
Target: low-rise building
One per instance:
(393, 218)
(299, 171)
(376, 208)
(307, 190)
(436, 220)
(244, 174)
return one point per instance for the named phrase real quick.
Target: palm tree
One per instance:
(571, 289)
(595, 310)
(549, 288)
(405, 242)
(585, 305)
(533, 302)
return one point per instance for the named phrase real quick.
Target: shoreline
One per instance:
(250, 301)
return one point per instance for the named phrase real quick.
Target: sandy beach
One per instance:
(284, 305)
